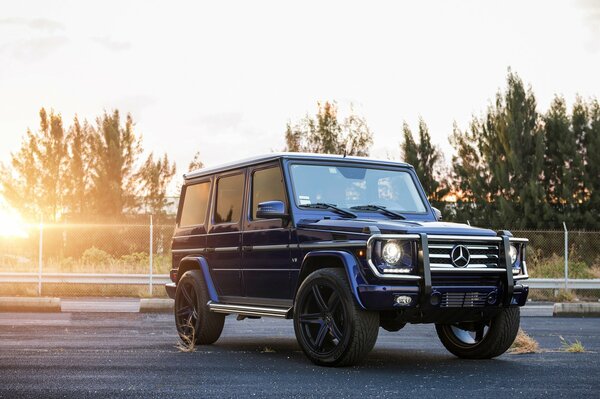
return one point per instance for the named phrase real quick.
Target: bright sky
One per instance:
(224, 77)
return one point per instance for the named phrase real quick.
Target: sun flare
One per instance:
(11, 224)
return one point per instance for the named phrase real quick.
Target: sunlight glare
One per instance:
(11, 224)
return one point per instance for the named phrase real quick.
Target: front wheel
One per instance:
(330, 327)
(481, 340)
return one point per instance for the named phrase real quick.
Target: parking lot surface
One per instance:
(134, 355)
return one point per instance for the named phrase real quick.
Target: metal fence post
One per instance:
(151, 251)
(40, 253)
(566, 256)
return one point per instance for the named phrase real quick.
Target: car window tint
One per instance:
(195, 203)
(228, 208)
(267, 185)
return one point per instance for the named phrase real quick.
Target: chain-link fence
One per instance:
(67, 259)
(77, 260)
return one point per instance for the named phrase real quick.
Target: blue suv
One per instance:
(343, 246)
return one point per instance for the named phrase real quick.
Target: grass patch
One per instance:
(571, 347)
(524, 344)
(267, 349)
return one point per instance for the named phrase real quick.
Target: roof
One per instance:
(287, 155)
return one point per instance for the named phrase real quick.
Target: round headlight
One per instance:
(391, 253)
(513, 254)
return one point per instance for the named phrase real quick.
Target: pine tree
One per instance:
(196, 162)
(427, 160)
(79, 168)
(325, 134)
(116, 149)
(35, 184)
(154, 177)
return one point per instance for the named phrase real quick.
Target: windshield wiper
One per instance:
(323, 205)
(380, 209)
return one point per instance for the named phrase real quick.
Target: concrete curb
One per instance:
(583, 309)
(26, 304)
(156, 305)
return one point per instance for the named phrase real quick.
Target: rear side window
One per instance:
(195, 203)
(230, 190)
(267, 185)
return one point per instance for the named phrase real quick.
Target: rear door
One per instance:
(224, 240)
(266, 253)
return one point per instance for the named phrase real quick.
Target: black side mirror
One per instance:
(438, 214)
(271, 210)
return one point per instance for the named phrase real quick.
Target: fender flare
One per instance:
(351, 266)
(203, 266)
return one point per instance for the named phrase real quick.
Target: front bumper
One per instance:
(449, 289)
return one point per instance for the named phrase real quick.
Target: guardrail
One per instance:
(559, 283)
(160, 279)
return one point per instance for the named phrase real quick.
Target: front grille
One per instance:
(483, 254)
(463, 300)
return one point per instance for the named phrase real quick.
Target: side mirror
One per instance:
(438, 214)
(271, 210)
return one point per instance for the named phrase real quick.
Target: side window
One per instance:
(230, 190)
(267, 185)
(195, 203)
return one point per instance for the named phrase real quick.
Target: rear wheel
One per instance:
(481, 340)
(193, 319)
(331, 328)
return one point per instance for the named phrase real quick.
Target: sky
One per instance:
(225, 77)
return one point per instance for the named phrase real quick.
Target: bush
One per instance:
(554, 267)
(96, 257)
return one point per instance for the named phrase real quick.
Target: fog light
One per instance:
(435, 299)
(492, 298)
(403, 300)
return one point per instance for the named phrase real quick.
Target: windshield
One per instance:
(348, 187)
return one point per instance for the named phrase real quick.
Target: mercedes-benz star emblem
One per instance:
(460, 256)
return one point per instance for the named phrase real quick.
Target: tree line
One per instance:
(514, 167)
(85, 171)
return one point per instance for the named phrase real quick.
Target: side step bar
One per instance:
(248, 310)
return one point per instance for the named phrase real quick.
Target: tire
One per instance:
(492, 338)
(193, 319)
(330, 327)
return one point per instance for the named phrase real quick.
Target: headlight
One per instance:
(514, 253)
(391, 253)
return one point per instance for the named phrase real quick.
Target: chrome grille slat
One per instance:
(482, 254)
(463, 300)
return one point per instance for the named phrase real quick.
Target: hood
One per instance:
(387, 226)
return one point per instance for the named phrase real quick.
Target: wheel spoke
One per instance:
(479, 334)
(321, 336)
(335, 331)
(311, 318)
(184, 311)
(334, 302)
(319, 298)
(186, 296)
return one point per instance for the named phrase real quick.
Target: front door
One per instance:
(266, 254)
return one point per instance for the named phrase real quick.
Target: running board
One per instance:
(248, 310)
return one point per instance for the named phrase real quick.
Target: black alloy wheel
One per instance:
(193, 319)
(331, 328)
(484, 339)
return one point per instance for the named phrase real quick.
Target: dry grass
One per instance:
(187, 343)
(572, 347)
(524, 344)
(267, 350)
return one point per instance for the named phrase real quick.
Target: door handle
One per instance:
(247, 248)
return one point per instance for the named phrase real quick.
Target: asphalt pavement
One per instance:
(79, 355)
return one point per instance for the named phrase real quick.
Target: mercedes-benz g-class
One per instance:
(343, 246)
